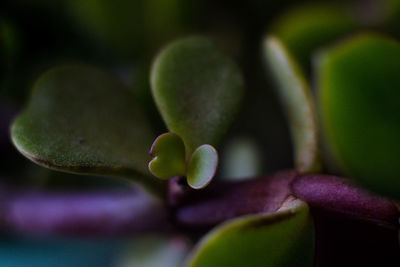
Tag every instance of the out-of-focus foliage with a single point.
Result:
(296, 98)
(358, 83)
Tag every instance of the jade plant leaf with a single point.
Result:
(197, 90)
(82, 120)
(308, 27)
(281, 239)
(295, 95)
(169, 160)
(358, 82)
(202, 166)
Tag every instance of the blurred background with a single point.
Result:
(123, 36)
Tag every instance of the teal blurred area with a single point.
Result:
(58, 252)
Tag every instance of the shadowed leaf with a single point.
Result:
(296, 98)
(197, 90)
(306, 28)
(80, 119)
(358, 82)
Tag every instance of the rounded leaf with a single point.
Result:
(168, 152)
(359, 94)
(197, 90)
(202, 166)
(81, 119)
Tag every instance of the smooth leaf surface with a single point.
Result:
(168, 152)
(197, 90)
(296, 98)
(358, 82)
(308, 27)
(81, 119)
(202, 166)
(284, 238)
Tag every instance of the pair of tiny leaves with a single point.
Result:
(83, 120)
(169, 161)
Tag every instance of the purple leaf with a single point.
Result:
(340, 197)
(223, 201)
(84, 213)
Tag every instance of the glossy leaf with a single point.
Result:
(202, 166)
(81, 119)
(306, 28)
(168, 152)
(197, 90)
(358, 82)
(284, 238)
(295, 95)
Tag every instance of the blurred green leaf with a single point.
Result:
(241, 159)
(281, 239)
(152, 251)
(295, 95)
(128, 28)
(81, 119)
(197, 90)
(202, 166)
(169, 159)
(358, 82)
(308, 27)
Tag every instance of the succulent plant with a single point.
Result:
(345, 130)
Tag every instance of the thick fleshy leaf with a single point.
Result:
(284, 238)
(151, 251)
(295, 95)
(202, 166)
(197, 90)
(308, 27)
(81, 119)
(169, 160)
(358, 82)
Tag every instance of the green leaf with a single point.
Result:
(296, 98)
(281, 239)
(197, 90)
(358, 82)
(168, 151)
(202, 166)
(82, 120)
(308, 27)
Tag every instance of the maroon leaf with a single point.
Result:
(340, 197)
(223, 201)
